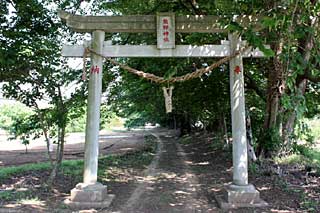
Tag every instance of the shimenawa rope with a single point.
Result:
(157, 79)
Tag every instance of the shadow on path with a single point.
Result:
(169, 185)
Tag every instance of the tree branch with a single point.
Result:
(312, 78)
(195, 8)
(187, 8)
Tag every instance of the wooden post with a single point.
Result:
(93, 111)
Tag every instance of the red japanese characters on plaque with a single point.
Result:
(165, 27)
(165, 31)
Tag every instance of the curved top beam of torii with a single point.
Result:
(147, 23)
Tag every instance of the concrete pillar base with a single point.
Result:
(239, 197)
(87, 196)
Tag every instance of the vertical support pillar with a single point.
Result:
(239, 193)
(90, 193)
(239, 145)
(93, 111)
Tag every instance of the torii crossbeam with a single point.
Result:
(92, 194)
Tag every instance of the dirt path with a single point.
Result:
(181, 178)
(169, 185)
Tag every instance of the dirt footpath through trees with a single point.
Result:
(169, 185)
(184, 176)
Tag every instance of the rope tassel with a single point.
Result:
(167, 93)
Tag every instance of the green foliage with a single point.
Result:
(109, 119)
(253, 168)
(20, 122)
(10, 195)
(314, 125)
(11, 114)
(271, 140)
(303, 132)
(312, 154)
(77, 124)
(304, 156)
(31, 67)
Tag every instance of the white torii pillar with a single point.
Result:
(239, 193)
(239, 138)
(93, 111)
(90, 193)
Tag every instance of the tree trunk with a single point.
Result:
(275, 88)
(185, 125)
(224, 129)
(55, 168)
(47, 139)
(59, 155)
(275, 83)
(250, 145)
(62, 136)
(305, 47)
(62, 123)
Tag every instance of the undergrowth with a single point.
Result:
(71, 168)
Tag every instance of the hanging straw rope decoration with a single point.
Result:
(167, 94)
(84, 72)
(157, 79)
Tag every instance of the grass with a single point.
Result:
(15, 194)
(314, 125)
(186, 139)
(7, 172)
(307, 157)
(313, 155)
(74, 169)
(68, 167)
(308, 204)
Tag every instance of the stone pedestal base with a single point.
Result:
(86, 196)
(239, 197)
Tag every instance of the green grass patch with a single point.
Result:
(137, 159)
(292, 159)
(16, 195)
(306, 156)
(313, 155)
(186, 139)
(7, 172)
(74, 168)
(68, 167)
(314, 125)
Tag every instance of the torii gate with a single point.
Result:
(92, 194)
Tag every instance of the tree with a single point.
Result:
(32, 70)
(276, 87)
